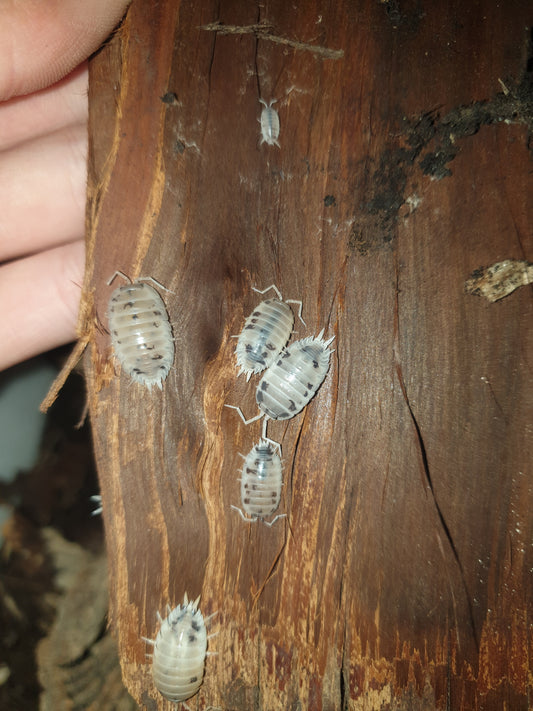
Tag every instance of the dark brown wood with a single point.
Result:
(402, 575)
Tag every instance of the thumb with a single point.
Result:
(43, 40)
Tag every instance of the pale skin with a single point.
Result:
(44, 45)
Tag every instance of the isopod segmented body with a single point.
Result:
(288, 385)
(261, 482)
(178, 659)
(265, 333)
(269, 124)
(141, 334)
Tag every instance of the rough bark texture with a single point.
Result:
(401, 577)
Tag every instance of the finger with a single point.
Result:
(40, 296)
(42, 192)
(61, 105)
(42, 41)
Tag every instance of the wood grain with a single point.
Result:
(402, 575)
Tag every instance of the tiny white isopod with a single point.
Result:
(265, 333)
(140, 329)
(290, 383)
(180, 648)
(261, 482)
(269, 124)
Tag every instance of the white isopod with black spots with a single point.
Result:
(265, 333)
(180, 648)
(261, 482)
(290, 383)
(269, 124)
(140, 329)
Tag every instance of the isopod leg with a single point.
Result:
(264, 436)
(271, 523)
(244, 518)
(264, 291)
(246, 422)
(208, 618)
(296, 301)
(127, 278)
(116, 274)
(157, 283)
(278, 294)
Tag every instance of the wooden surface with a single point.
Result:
(401, 578)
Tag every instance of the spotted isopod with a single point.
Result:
(180, 648)
(141, 334)
(269, 124)
(261, 482)
(265, 333)
(290, 383)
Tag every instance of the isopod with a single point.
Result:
(269, 124)
(141, 334)
(265, 333)
(180, 648)
(261, 482)
(290, 383)
(97, 499)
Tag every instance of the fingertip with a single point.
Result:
(43, 40)
(40, 297)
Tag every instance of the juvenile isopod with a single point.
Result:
(261, 482)
(290, 383)
(141, 334)
(265, 333)
(97, 499)
(269, 124)
(180, 648)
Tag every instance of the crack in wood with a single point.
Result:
(427, 474)
(261, 31)
(445, 528)
(425, 466)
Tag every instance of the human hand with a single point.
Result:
(43, 169)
